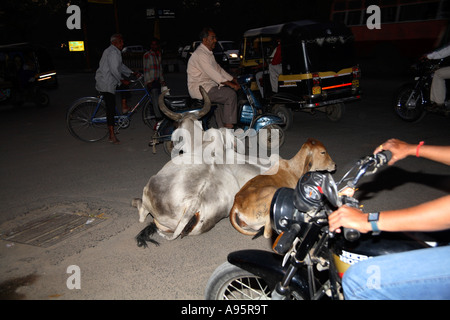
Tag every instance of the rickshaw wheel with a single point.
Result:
(42, 99)
(285, 114)
(335, 111)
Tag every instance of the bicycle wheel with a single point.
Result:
(86, 119)
(148, 114)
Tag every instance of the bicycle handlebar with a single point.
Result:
(141, 76)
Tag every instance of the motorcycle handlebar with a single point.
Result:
(383, 157)
(378, 160)
(375, 161)
(351, 234)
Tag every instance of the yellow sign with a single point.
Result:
(76, 45)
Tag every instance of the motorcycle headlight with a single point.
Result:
(290, 206)
(282, 210)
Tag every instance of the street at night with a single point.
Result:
(45, 171)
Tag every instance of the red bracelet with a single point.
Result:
(421, 143)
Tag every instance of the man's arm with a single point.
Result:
(429, 216)
(401, 150)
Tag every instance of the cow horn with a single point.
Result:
(206, 103)
(172, 115)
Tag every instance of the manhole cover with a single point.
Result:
(49, 230)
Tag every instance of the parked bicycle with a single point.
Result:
(86, 118)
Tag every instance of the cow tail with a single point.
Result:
(188, 221)
(145, 235)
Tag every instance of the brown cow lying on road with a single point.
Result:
(251, 209)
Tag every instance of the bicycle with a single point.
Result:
(86, 118)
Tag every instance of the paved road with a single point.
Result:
(44, 170)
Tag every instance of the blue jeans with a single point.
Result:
(419, 274)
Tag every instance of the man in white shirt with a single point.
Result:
(203, 70)
(438, 89)
(108, 77)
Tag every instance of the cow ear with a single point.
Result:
(305, 160)
(308, 162)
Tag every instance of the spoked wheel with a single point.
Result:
(284, 113)
(229, 282)
(408, 104)
(86, 120)
(269, 139)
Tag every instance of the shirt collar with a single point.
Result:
(116, 48)
(205, 48)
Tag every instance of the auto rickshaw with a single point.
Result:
(25, 69)
(317, 72)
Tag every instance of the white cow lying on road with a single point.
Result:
(189, 199)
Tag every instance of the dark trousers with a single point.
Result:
(110, 101)
(227, 97)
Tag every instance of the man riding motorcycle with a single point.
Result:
(417, 274)
(438, 89)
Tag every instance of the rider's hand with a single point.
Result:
(398, 148)
(347, 191)
(348, 217)
(232, 84)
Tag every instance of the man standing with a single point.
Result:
(109, 76)
(153, 74)
(203, 70)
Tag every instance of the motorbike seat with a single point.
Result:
(182, 103)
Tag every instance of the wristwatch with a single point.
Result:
(373, 219)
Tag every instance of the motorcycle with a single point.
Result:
(27, 71)
(412, 100)
(251, 118)
(308, 260)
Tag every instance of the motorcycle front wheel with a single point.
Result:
(408, 104)
(229, 282)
